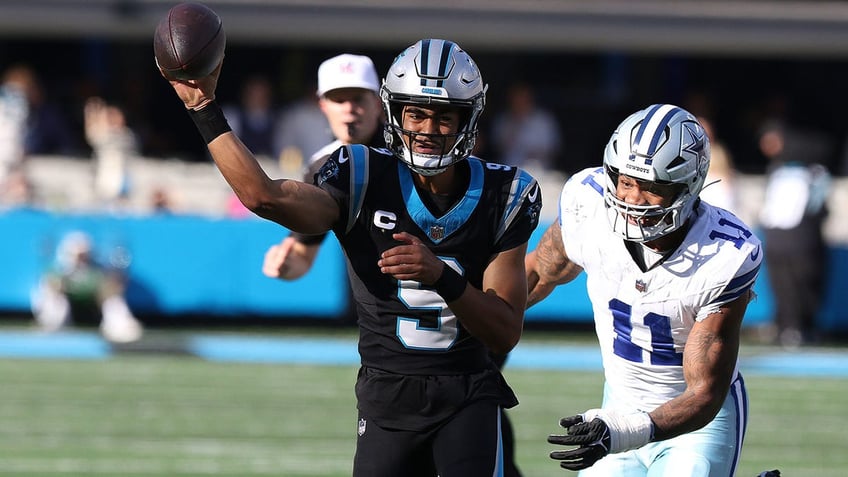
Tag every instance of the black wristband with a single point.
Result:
(450, 285)
(210, 121)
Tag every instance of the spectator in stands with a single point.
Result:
(47, 130)
(161, 202)
(16, 189)
(14, 111)
(255, 117)
(114, 145)
(78, 286)
(792, 219)
(525, 134)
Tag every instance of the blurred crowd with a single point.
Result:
(281, 121)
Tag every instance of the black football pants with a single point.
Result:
(466, 445)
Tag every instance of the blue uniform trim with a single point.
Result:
(745, 279)
(590, 180)
(455, 217)
(740, 398)
(359, 159)
(738, 286)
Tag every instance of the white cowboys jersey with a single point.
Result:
(643, 319)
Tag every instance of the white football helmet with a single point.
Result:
(665, 145)
(433, 72)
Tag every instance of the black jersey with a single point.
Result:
(377, 140)
(405, 326)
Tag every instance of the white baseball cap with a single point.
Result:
(347, 71)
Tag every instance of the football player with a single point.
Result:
(669, 278)
(435, 241)
(347, 89)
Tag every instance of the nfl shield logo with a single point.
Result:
(641, 286)
(361, 427)
(437, 232)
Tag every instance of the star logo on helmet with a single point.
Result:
(697, 139)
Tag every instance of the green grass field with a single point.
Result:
(140, 414)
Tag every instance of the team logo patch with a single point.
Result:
(329, 170)
(641, 286)
(360, 429)
(437, 232)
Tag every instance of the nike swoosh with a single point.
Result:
(343, 156)
(534, 194)
(755, 253)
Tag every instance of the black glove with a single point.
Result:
(770, 473)
(592, 439)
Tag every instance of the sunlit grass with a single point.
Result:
(141, 414)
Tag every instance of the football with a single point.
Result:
(189, 42)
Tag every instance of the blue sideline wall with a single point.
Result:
(178, 264)
(183, 265)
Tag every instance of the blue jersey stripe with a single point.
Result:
(727, 297)
(743, 279)
(358, 181)
(523, 184)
